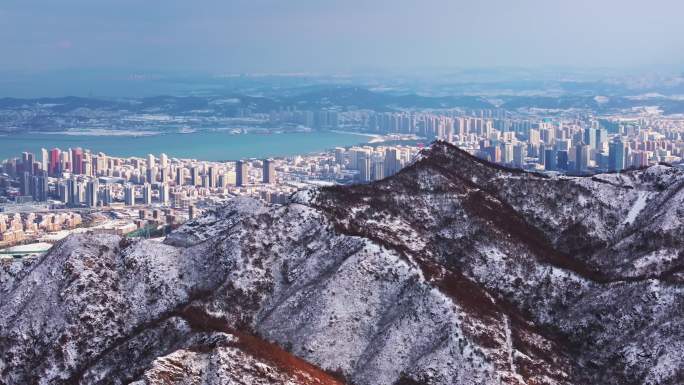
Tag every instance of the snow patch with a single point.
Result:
(637, 207)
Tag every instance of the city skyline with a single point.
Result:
(575, 145)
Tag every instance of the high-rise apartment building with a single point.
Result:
(195, 179)
(269, 173)
(54, 165)
(164, 194)
(180, 176)
(582, 155)
(44, 159)
(77, 161)
(147, 194)
(364, 165)
(129, 195)
(92, 193)
(241, 178)
(616, 155)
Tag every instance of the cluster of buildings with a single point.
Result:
(368, 163)
(79, 178)
(157, 191)
(577, 144)
(16, 228)
(321, 119)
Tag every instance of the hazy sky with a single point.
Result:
(324, 35)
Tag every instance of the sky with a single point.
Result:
(238, 36)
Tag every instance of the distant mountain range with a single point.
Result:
(453, 271)
(326, 97)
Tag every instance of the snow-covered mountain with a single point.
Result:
(454, 271)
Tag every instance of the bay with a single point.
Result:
(202, 145)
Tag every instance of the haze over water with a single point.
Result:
(212, 146)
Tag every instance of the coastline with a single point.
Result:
(374, 138)
(356, 133)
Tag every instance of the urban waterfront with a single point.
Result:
(47, 196)
(205, 145)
